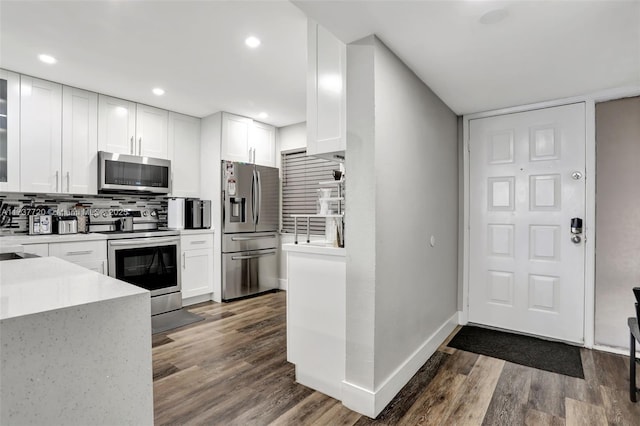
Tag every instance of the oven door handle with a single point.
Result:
(254, 256)
(145, 242)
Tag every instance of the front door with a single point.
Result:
(526, 184)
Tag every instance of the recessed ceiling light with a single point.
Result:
(47, 59)
(493, 16)
(158, 91)
(263, 115)
(252, 42)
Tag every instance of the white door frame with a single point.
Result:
(590, 204)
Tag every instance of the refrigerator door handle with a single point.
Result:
(259, 204)
(253, 196)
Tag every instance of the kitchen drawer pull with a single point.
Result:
(252, 238)
(77, 253)
(199, 242)
(272, 253)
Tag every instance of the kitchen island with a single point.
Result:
(75, 346)
(316, 315)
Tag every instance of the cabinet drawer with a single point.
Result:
(41, 250)
(199, 241)
(79, 251)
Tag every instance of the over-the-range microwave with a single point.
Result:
(133, 174)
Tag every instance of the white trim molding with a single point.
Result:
(283, 284)
(590, 208)
(371, 403)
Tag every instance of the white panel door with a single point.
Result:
(527, 182)
(116, 125)
(79, 141)
(184, 144)
(235, 138)
(263, 141)
(151, 132)
(40, 135)
(197, 272)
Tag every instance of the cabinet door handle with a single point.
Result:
(132, 148)
(199, 242)
(68, 182)
(140, 146)
(184, 260)
(77, 253)
(57, 179)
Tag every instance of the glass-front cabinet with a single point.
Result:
(9, 131)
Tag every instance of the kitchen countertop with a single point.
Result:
(49, 238)
(315, 247)
(29, 286)
(197, 231)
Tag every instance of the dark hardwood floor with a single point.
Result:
(231, 369)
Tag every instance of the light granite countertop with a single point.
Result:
(30, 286)
(50, 238)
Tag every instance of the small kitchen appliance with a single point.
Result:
(40, 224)
(175, 213)
(197, 214)
(65, 224)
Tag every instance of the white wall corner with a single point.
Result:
(283, 284)
(463, 318)
(371, 403)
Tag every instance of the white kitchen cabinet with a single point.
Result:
(10, 132)
(184, 149)
(151, 131)
(41, 249)
(79, 141)
(88, 254)
(326, 94)
(197, 266)
(247, 141)
(40, 135)
(116, 125)
(263, 141)
(125, 127)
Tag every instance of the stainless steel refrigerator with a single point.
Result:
(250, 220)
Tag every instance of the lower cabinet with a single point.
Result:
(197, 267)
(88, 254)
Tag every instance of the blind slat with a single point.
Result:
(300, 177)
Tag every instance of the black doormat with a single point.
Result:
(555, 357)
(171, 320)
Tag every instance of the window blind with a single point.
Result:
(300, 177)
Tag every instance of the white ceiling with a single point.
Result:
(542, 50)
(195, 50)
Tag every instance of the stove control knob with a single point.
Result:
(153, 213)
(104, 214)
(145, 213)
(96, 214)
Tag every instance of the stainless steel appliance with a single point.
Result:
(142, 254)
(40, 224)
(250, 219)
(65, 224)
(197, 213)
(133, 174)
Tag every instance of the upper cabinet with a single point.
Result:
(184, 148)
(326, 94)
(248, 141)
(58, 138)
(79, 141)
(9, 131)
(125, 127)
(40, 135)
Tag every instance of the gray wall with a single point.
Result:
(402, 157)
(617, 218)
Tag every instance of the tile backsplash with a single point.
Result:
(16, 205)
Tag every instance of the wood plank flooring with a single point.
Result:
(231, 369)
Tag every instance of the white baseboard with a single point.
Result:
(462, 318)
(610, 349)
(283, 284)
(371, 403)
(197, 299)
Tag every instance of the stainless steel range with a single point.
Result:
(143, 255)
